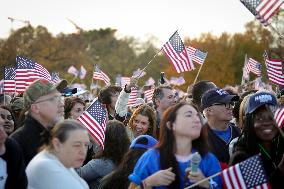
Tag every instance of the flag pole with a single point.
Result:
(281, 132)
(4, 85)
(205, 179)
(199, 70)
(92, 82)
(73, 79)
(243, 79)
(149, 62)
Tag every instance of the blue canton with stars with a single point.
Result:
(24, 63)
(200, 54)
(177, 43)
(251, 5)
(253, 172)
(10, 73)
(258, 66)
(98, 112)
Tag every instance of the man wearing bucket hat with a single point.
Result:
(217, 105)
(45, 107)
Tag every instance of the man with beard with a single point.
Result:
(45, 107)
(217, 105)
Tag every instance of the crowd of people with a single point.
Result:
(147, 145)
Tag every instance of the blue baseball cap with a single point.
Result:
(217, 95)
(137, 142)
(260, 99)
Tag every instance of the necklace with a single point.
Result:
(262, 149)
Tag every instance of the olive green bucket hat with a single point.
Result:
(17, 104)
(39, 88)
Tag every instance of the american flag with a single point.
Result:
(251, 5)
(27, 71)
(279, 116)
(94, 119)
(197, 55)
(124, 81)
(263, 10)
(177, 81)
(253, 66)
(247, 174)
(150, 82)
(132, 97)
(9, 80)
(149, 95)
(267, 8)
(274, 71)
(55, 77)
(138, 73)
(100, 75)
(175, 50)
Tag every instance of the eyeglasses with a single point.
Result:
(227, 105)
(56, 99)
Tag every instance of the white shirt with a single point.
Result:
(45, 171)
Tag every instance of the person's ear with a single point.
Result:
(56, 144)
(169, 125)
(209, 111)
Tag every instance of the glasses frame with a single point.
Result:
(226, 105)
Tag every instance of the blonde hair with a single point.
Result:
(242, 110)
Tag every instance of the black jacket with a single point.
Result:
(29, 137)
(218, 146)
(15, 166)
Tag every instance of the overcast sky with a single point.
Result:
(140, 19)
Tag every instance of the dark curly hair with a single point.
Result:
(106, 93)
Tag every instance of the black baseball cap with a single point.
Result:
(217, 95)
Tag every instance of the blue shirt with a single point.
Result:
(149, 163)
(224, 135)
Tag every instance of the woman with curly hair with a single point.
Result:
(116, 144)
(142, 122)
(261, 136)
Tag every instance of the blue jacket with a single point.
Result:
(149, 163)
